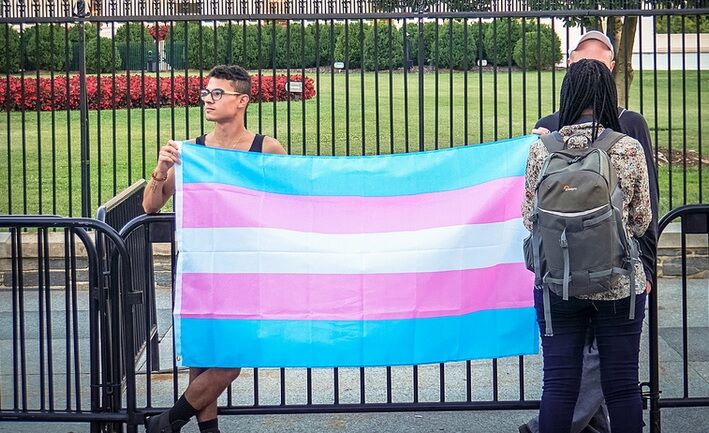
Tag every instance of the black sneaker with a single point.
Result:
(524, 429)
(161, 424)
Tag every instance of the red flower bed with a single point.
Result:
(130, 91)
(159, 32)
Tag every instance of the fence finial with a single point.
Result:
(80, 9)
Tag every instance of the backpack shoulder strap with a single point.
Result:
(554, 142)
(607, 139)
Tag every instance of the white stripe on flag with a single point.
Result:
(265, 250)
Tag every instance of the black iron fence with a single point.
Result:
(67, 341)
(694, 229)
(65, 8)
(117, 213)
(89, 98)
(66, 310)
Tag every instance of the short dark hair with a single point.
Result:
(589, 84)
(239, 77)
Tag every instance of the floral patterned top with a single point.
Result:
(628, 160)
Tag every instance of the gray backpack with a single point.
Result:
(578, 241)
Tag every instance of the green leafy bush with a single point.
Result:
(377, 56)
(99, 57)
(538, 50)
(348, 48)
(200, 48)
(455, 49)
(501, 36)
(295, 47)
(240, 45)
(134, 32)
(46, 47)
(9, 49)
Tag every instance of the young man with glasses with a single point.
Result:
(225, 100)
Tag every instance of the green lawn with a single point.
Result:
(50, 141)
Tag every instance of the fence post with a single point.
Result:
(655, 419)
(421, 61)
(80, 13)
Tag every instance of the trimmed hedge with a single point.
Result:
(9, 49)
(136, 32)
(455, 48)
(45, 47)
(377, 56)
(690, 24)
(528, 50)
(350, 45)
(295, 47)
(90, 32)
(429, 41)
(192, 45)
(327, 45)
(200, 49)
(234, 47)
(500, 39)
(99, 57)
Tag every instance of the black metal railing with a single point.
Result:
(117, 213)
(138, 8)
(76, 132)
(53, 361)
(66, 323)
(692, 227)
(145, 231)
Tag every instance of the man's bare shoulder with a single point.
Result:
(271, 145)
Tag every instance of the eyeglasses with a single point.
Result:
(216, 93)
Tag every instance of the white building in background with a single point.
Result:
(668, 50)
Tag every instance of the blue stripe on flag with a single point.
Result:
(313, 343)
(382, 175)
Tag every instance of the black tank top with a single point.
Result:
(256, 145)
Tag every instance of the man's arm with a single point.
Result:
(634, 125)
(162, 183)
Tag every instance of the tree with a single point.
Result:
(620, 29)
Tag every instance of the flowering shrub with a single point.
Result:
(130, 91)
(159, 32)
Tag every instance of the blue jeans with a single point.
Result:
(618, 345)
(591, 412)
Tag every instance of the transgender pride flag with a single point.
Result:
(301, 261)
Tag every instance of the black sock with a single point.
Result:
(206, 425)
(182, 411)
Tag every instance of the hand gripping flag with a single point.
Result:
(304, 261)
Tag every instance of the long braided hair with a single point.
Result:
(589, 84)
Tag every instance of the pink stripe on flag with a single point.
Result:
(217, 205)
(355, 297)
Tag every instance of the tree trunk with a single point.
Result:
(613, 29)
(623, 72)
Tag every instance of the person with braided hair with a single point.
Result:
(591, 413)
(588, 105)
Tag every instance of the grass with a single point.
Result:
(40, 152)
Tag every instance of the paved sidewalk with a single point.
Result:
(673, 420)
